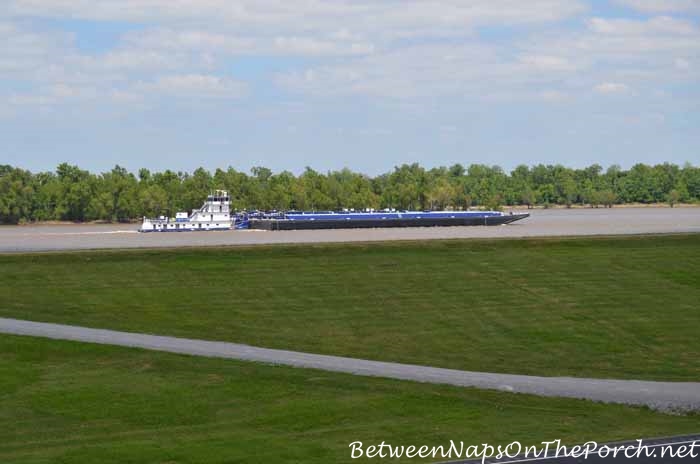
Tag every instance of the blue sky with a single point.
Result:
(359, 84)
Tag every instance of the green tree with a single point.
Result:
(527, 197)
(608, 198)
(77, 188)
(152, 201)
(16, 193)
(77, 195)
(673, 197)
(441, 194)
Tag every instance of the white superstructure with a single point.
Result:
(215, 214)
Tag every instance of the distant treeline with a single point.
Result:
(73, 194)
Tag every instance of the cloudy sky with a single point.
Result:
(366, 84)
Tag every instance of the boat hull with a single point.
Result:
(167, 231)
(286, 224)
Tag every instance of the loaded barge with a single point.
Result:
(215, 214)
(367, 220)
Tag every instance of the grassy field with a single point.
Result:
(74, 402)
(624, 307)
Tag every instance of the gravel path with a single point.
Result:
(664, 396)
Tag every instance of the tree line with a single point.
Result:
(74, 194)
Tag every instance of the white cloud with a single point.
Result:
(569, 62)
(554, 96)
(469, 69)
(138, 60)
(611, 88)
(62, 91)
(406, 72)
(190, 40)
(30, 100)
(23, 50)
(198, 41)
(400, 18)
(548, 62)
(309, 46)
(626, 38)
(54, 94)
(194, 85)
(661, 6)
(187, 41)
(657, 25)
(646, 53)
(682, 63)
(396, 49)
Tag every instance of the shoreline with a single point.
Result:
(621, 206)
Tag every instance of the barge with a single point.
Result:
(367, 220)
(216, 214)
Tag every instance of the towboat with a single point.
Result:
(215, 214)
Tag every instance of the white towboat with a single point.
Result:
(215, 214)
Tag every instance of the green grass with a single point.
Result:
(71, 402)
(624, 307)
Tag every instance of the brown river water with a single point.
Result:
(541, 223)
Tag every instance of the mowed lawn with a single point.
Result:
(74, 402)
(624, 307)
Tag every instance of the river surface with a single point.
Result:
(541, 223)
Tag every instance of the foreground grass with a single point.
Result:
(75, 402)
(624, 307)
